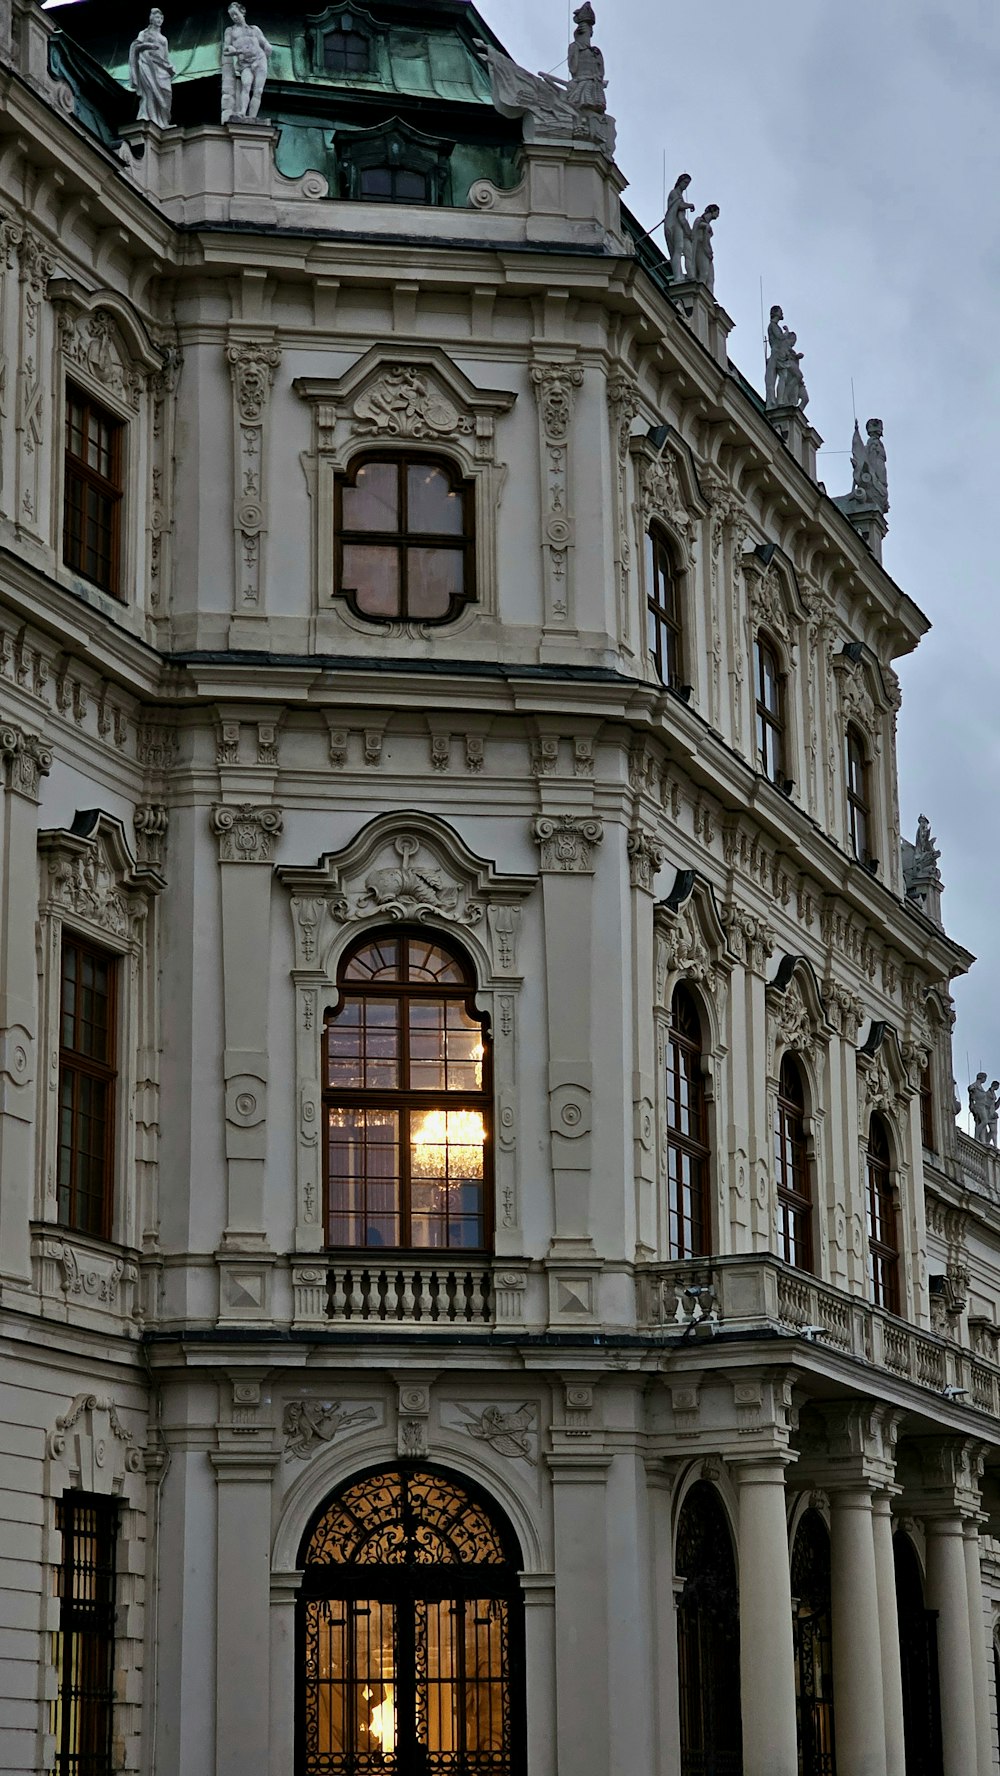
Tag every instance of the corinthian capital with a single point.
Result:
(27, 760)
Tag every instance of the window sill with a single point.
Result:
(84, 1280)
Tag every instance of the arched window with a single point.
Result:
(407, 1099)
(858, 794)
(813, 1641)
(663, 610)
(411, 1633)
(346, 50)
(770, 689)
(883, 1237)
(919, 1664)
(689, 1220)
(792, 1169)
(708, 1639)
(405, 539)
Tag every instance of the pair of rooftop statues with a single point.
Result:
(245, 57)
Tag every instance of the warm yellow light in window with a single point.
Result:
(383, 1721)
(461, 1132)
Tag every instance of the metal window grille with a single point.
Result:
(84, 1709)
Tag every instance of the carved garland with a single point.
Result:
(252, 364)
(555, 386)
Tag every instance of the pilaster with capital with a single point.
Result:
(24, 760)
(246, 836)
(31, 478)
(252, 364)
(556, 382)
(10, 239)
(624, 405)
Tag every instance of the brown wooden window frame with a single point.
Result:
(81, 478)
(406, 1101)
(355, 47)
(87, 1590)
(793, 1168)
(857, 775)
(927, 1108)
(689, 1218)
(882, 1212)
(771, 723)
(75, 1066)
(665, 630)
(403, 540)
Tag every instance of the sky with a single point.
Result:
(853, 148)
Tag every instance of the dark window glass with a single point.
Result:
(392, 184)
(918, 1658)
(813, 1642)
(708, 1639)
(407, 1101)
(346, 52)
(663, 610)
(927, 1108)
(770, 711)
(84, 1708)
(93, 492)
(689, 1228)
(858, 799)
(791, 1167)
(86, 1089)
(411, 1633)
(404, 540)
(883, 1238)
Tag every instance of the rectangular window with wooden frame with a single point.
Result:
(93, 496)
(87, 1081)
(83, 1711)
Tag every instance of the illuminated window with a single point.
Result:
(404, 540)
(770, 710)
(407, 1100)
(858, 797)
(93, 492)
(411, 1633)
(85, 1643)
(791, 1167)
(663, 610)
(687, 1141)
(87, 1075)
(883, 1238)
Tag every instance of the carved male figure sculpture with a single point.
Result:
(703, 257)
(871, 481)
(151, 72)
(677, 228)
(791, 386)
(984, 1109)
(245, 56)
(776, 335)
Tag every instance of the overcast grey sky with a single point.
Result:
(854, 149)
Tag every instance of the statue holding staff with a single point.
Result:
(151, 72)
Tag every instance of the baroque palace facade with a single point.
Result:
(490, 1283)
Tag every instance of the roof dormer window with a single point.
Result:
(394, 164)
(346, 48)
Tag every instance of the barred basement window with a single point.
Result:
(94, 491)
(87, 1078)
(405, 539)
(85, 1643)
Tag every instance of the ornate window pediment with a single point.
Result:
(691, 941)
(667, 490)
(796, 1015)
(774, 600)
(865, 699)
(394, 164)
(394, 402)
(103, 342)
(342, 41)
(409, 869)
(91, 878)
(886, 1079)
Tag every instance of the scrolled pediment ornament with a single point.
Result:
(766, 599)
(796, 1015)
(403, 403)
(93, 343)
(660, 494)
(91, 877)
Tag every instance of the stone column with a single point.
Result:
(948, 1594)
(538, 1591)
(767, 1673)
(285, 1587)
(977, 1632)
(579, 1506)
(888, 1628)
(243, 1627)
(857, 1655)
(246, 836)
(24, 760)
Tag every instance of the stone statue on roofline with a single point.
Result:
(984, 1102)
(245, 57)
(870, 489)
(576, 108)
(151, 72)
(677, 228)
(702, 266)
(784, 383)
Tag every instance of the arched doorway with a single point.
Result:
(919, 1664)
(811, 1617)
(708, 1639)
(410, 1632)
